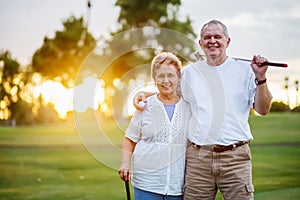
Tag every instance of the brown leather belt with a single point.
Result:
(220, 148)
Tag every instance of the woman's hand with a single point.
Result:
(124, 172)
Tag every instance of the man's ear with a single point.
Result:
(228, 41)
(200, 43)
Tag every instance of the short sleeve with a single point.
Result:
(133, 132)
(252, 89)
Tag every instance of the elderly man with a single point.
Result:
(221, 91)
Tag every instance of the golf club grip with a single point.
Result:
(275, 64)
(127, 190)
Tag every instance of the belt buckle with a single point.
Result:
(212, 148)
(233, 147)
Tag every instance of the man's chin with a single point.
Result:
(212, 55)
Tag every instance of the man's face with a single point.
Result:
(214, 42)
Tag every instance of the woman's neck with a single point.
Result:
(168, 99)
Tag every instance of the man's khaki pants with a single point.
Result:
(229, 171)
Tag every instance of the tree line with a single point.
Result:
(59, 58)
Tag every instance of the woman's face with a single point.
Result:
(166, 79)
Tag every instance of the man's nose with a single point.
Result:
(212, 39)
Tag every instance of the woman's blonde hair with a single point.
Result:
(166, 58)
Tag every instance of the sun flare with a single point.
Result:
(90, 95)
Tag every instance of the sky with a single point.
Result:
(270, 28)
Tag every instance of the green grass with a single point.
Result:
(276, 128)
(56, 174)
(49, 162)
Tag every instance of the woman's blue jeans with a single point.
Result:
(145, 195)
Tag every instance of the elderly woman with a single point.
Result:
(157, 137)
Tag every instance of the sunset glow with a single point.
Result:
(91, 94)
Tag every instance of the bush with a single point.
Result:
(46, 114)
(296, 109)
(279, 107)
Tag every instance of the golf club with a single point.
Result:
(127, 190)
(266, 63)
(200, 57)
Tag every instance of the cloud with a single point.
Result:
(246, 19)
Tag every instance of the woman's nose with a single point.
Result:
(165, 79)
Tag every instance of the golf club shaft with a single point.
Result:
(200, 57)
(127, 190)
(266, 63)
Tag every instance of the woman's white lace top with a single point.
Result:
(159, 157)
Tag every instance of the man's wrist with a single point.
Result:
(260, 81)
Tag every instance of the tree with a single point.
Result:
(286, 87)
(297, 91)
(136, 15)
(13, 81)
(62, 56)
(9, 68)
(146, 27)
(163, 14)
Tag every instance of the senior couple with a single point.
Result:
(191, 138)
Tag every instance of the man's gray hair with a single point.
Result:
(216, 22)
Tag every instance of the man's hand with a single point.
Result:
(258, 67)
(141, 96)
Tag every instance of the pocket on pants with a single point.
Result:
(243, 153)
